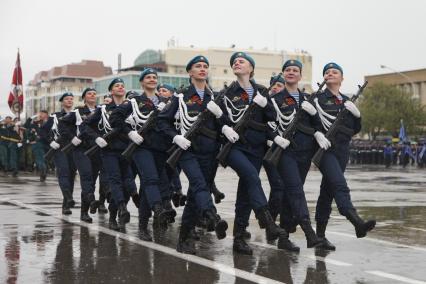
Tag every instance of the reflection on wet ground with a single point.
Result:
(38, 245)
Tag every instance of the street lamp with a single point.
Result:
(402, 75)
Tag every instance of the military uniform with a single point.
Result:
(121, 180)
(333, 165)
(198, 162)
(295, 161)
(149, 159)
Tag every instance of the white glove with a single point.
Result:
(19, 145)
(214, 108)
(160, 106)
(230, 134)
(135, 137)
(54, 145)
(323, 142)
(282, 142)
(75, 141)
(309, 108)
(269, 143)
(350, 106)
(101, 142)
(260, 100)
(182, 142)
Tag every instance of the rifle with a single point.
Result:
(107, 136)
(49, 154)
(241, 125)
(148, 125)
(175, 151)
(69, 147)
(273, 155)
(334, 128)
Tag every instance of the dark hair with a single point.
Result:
(44, 111)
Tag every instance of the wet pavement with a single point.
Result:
(39, 245)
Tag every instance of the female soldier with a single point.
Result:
(69, 129)
(334, 160)
(64, 164)
(121, 182)
(198, 159)
(295, 160)
(246, 158)
(150, 156)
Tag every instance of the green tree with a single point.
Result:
(383, 106)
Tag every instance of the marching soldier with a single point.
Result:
(246, 158)
(121, 181)
(34, 139)
(295, 161)
(70, 130)
(333, 163)
(64, 164)
(198, 159)
(150, 156)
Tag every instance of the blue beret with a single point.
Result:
(113, 82)
(87, 90)
(131, 94)
(196, 59)
(147, 71)
(67, 94)
(331, 65)
(276, 78)
(166, 86)
(292, 62)
(243, 55)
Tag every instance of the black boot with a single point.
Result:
(185, 242)
(311, 238)
(94, 205)
(325, 244)
(136, 199)
(218, 195)
(272, 230)
(84, 215)
(160, 215)
(43, 175)
(113, 225)
(143, 231)
(361, 227)
(240, 244)
(66, 208)
(215, 223)
(123, 214)
(102, 209)
(242, 231)
(285, 244)
(176, 198)
(167, 205)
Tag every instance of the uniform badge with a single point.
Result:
(235, 99)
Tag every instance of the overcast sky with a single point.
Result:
(359, 35)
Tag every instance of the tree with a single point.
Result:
(383, 106)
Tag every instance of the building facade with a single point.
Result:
(413, 82)
(43, 92)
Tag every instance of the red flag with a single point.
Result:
(16, 95)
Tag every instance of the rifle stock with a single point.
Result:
(175, 151)
(148, 125)
(240, 126)
(107, 136)
(331, 133)
(273, 155)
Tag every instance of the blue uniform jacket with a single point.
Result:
(201, 143)
(154, 139)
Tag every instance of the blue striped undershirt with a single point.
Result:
(250, 92)
(296, 96)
